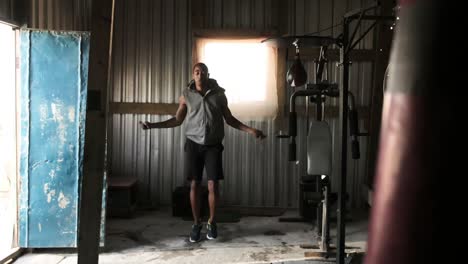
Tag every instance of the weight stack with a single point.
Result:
(308, 199)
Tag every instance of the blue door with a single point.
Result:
(53, 72)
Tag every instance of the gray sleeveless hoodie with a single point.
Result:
(205, 121)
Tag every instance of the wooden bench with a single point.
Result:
(122, 192)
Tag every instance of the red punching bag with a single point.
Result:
(414, 145)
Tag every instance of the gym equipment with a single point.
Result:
(315, 186)
(297, 75)
(319, 146)
(318, 137)
(301, 40)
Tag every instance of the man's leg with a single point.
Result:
(214, 172)
(213, 196)
(194, 171)
(195, 201)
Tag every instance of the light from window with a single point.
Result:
(247, 70)
(8, 169)
(241, 69)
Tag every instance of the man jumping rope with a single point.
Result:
(207, 108)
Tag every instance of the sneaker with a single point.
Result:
(195, 234)
(212, 231)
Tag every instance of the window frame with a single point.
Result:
(242, 34)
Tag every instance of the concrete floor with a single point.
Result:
(157, 237)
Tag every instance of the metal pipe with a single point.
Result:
(351, 101)
(293, 120)
(320, 107)
(353, 126)
(341, 211)
(324, 242)
(360, 11)
(362, 36)
(292, 100)
(318, 189)
(373, 18)
(320, 64)
(355, 30)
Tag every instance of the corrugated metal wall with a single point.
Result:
(52, 14)
(6, 9)
(325, 17)
(151, 63)
(60, 15)
(235, 14)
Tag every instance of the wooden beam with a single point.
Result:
(90, 212)
(143, 108)
(308, 54)
(281, 11)
(232, 33)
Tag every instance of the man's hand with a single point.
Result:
(258, 134)
(145, 125)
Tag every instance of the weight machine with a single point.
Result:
(319, 146)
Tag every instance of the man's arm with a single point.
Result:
(235, 123)
(173, 122)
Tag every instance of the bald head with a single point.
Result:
(200, 74)
(202, 67)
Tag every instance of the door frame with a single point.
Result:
(16, 251)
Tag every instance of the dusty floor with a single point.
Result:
(157, 237)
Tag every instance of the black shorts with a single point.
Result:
(199, 156)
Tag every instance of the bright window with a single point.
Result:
(247, 70)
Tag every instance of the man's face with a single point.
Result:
(199, 74)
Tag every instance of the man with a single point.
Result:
(207, 106)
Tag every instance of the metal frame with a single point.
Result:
(15, 251)
(346, 46)
(346, 43)
(317, 93)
